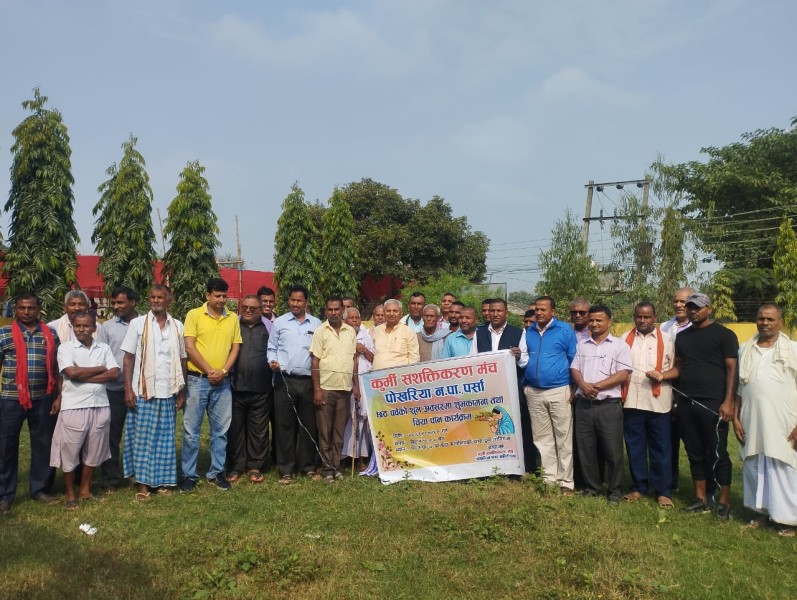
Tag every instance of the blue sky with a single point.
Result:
(504, 108)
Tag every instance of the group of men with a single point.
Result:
(588, 394)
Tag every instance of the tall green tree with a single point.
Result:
(785, 270)
(567, 270)
(737, 198)
(42, 239)
(339, 250)
(123, 234)
(410, 240)
(192, 231)
(296, 249)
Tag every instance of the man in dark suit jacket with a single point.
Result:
(499, 335)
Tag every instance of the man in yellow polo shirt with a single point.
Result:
(334, 374)
(212, 342)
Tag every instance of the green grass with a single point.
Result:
(360, 539)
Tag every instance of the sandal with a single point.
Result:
(784, 530)
(256, 476)
(757, 522)
(72, 504)
(163, 491)
(286, 480)
(665, 502)
(143, 496)
(234, 477)
(632, 496)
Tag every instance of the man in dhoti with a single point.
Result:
(766, 422)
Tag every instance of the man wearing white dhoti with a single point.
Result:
(766, 422)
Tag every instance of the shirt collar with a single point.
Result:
(223, 311)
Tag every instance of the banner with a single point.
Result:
(446, 419)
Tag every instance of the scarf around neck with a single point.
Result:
(21, 349)
(656, 386)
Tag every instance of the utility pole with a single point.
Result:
(587, 216)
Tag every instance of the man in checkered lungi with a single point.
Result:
(154, 372)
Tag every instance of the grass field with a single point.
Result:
(360, 539)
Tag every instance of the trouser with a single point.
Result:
(216, 400)
(331, 420)
(531, 456)
(40, 426)
(599, 423)
(647, 437)
(111, 470)
(552, 429)
(248, 438)
(706, 442)
(296, 429)
(675, 441)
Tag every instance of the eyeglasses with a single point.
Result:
(578, 312)
(250, 308)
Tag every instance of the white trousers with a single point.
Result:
(552, 430)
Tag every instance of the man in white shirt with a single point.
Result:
(84, 421)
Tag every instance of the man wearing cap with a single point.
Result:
(706, 357)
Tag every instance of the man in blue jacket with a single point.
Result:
(551, 347)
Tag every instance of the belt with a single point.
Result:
(202, 375)
(602, 400)
(290, 376)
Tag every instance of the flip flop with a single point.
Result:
(632, 496)
(665, 502)
(785, 531)
(92, 498)
(256, 476)
(162, 491)
(72, 504)
(756, 523)
(142, 496)
(234, 477)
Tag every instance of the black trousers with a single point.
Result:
(296, 442)
(41, 426)
(248, 438)
(706, 442)
(111, 469)
(531, 456)
(599, 425)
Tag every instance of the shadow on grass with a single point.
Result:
(40, 561)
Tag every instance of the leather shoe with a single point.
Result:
(46, 499)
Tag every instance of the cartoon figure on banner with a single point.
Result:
(386, 457)
(500, 421)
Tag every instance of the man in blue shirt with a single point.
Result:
(462, 342)
(551, 348)
(294, 411)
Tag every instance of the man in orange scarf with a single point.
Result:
(646, 409)
(27, 390)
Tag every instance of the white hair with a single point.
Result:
(347, 312)
(392, 301)
(434, 307)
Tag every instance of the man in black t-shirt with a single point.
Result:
(706, 357)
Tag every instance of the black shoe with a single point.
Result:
(723, 512)
(220, 482)
(614, 499)
(5, 507)
(188, 485)
(698, 506)
(46, 499)
(588, 494)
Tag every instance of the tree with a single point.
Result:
(785, 271)
(296, 251)
(567, 270)
(339, 250)
(123, 233)
(193, 238)
(42, 255)
(521, 298)
(414, 242)
(737, 199)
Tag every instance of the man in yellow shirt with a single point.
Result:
(396, 344)
(334, 374)
(212, 341)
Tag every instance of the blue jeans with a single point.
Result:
(216, 400)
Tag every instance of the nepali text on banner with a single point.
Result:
(445, 420)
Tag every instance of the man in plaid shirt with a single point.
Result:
(27, 391)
